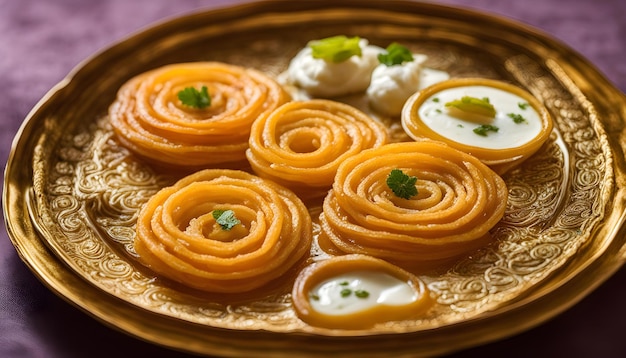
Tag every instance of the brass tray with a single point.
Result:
(71, 192)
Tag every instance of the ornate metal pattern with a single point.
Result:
(85, 190)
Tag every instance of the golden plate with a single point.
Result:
(71, 193)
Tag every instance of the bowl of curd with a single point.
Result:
(497, 122)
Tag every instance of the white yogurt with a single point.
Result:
(321, 78)
(510, 134)
(360, 290)
(391, 86)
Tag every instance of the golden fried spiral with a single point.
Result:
(179, 238)
(149, 118)
(459, 200)
(301, 144)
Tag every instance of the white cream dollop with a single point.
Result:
(326, 79)
(391, 86)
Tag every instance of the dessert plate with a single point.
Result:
(72, 193)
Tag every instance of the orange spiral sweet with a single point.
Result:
(301, 144)
(459, 200)
(150, 119)
(178, 237)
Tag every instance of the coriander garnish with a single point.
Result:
(396, 55)
(401, 184)
(336, 49)
(517, 118)
(523, 105)
(483, 129)
(193, 98)
(225, 218)
(345, 292)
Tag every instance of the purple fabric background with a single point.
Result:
(42, 40)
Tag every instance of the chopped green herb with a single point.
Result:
(361, 294)
(438, 110)
(225, 218)
(401, 184)
(460, 126)
(517, 118)
(345, 292)
(483, 129)
(436, 99)
(336, 49)
(193, 98)
(396, 55)
(523, 105)
(315, 297)
(344, 283)
(480, 106)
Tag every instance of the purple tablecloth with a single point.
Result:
(41, 41)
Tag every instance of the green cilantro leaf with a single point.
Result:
(517, 118)
(345, 292)
(193, 98)
(402, 185)
(483, 129)
(523, 105)
(361, 294)
(226, 219)
(480, 106)
(396, 55)
(336, 49)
